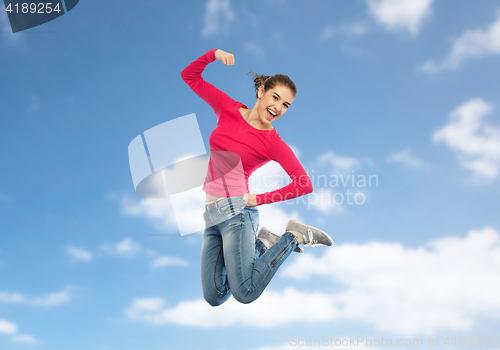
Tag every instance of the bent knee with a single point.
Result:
(245, 298)
(215, 300)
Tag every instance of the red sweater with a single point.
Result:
(237, 149)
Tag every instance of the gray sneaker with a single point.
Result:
(272, 237)
(312, 236)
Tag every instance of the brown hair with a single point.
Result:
(270, 82)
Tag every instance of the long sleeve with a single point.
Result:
(209, 93)
(301, 183)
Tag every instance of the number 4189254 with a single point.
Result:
(34, 8)
(471, 341)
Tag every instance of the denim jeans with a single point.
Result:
(233, 260)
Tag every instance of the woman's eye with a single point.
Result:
(275, 98)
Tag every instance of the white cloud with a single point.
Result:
(158, 211)
(12, 298)
(254, 48)
(353, 29)
(275, 217)
(24, 339)
(412, 291)
(268, 178)
(7, 327)
(188, 210)
(47, 300)
(471, 44)
(336, 183)
(401, 14)
(327, 201)
(197, 313)
(296, 151)
(52, 299)
(405, 157)
(446, 285)
(286, 346)
(309, 343)
(125, 248)
(164, 261)
(218, 14)
(278, 40)
(341, 165)
(78, 254)
(328, 32)
(476, 143)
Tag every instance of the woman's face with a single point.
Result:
(273, 103)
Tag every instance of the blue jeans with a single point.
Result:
(233, 260)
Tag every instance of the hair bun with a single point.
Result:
(271, 81)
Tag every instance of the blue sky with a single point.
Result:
(403, 91)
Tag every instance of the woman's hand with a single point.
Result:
(226, 57)
(250, 200)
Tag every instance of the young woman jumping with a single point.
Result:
(235, 259)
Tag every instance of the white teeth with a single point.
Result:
(272, 112)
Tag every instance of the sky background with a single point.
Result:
(406, 92)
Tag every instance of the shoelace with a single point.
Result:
(310, 241)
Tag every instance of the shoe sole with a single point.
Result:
(312, 228)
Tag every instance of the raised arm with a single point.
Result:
(301, 183)
(209, 93)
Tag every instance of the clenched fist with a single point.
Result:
(226, 57)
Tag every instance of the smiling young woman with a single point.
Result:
(236, 258)
(272, 102)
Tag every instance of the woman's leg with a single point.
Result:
(213, 272)
(250, 266)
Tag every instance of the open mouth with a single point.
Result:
(270, 114)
